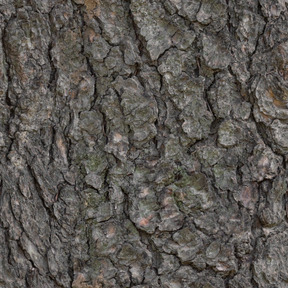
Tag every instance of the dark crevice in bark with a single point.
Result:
(53, 73)
(47, 206)
(90, 68)
(7, 239)
(51, 148)
(261, 129)
(8, 72)
(206, 97)
(255, 226)
(141, 43)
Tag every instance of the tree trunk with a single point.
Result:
(143, 143)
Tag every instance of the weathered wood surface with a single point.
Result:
(143, 143)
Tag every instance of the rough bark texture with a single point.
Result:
(143, 143)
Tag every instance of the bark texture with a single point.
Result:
(143, 143)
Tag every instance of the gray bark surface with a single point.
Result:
(143, 143)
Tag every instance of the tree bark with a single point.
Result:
(143, 143)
